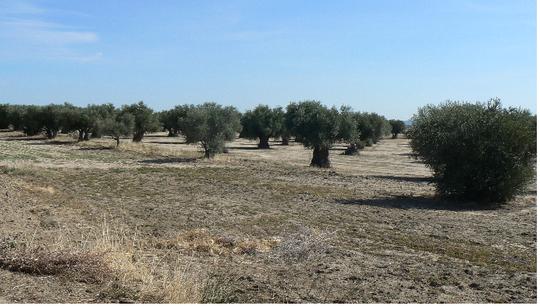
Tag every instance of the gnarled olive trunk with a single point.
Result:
(138, 136)
(51, 133)
(207, 151)
(285, 140)
(117, 141)
(172, 133)
(320, 157)
(263, 143)
(352, 149)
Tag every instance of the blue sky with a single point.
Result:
(386, 56)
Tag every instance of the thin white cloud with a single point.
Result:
(45, 32)
(27, 26)
(15, 7)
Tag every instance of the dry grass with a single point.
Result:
(115, 259)
(202, 241)
(368, 230)
(82, 266)
(305, 244)
(157, 151)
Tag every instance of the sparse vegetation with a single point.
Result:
(251, 225)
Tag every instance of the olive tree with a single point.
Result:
(317, 127)
(371, 126)
(397, 127)
(31, 120)
(98, 114)
(289, 121)
(4, 116)
(15, 116)
(348, 131)
(169, 119)
(262, 122)
(120, 125)
(77, 119)
(145, 119)
(210, 125)
(481, 152)
(51, 117)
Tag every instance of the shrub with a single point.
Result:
(398, 127)
(210, 125)
(263, 123)
(480, 152)
(317, 127)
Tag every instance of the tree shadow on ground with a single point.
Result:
(97, 149)
(416, 202)
(170, 160)
(52, 143)
(254, 147)
(157, 136)
(23, 138)
(412, 179)
(411, 155)
(166, 142)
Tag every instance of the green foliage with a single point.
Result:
(372, 127)
(145, 119)
(169, 119)
(317, 127)
(119, 125)
(397, 126)
(15, 116)
(210, 125)
(480, 152)
(51, 119)
(31, 120)
(4, 116)
(263, 123)
(288, 122)
(98, 113)
(348, 131)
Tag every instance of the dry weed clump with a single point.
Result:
(122, 262)
(202, 241)
(80, 265)
(305, 244)
(152, 278)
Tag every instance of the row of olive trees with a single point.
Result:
(209, 124)
(91, 121)
(309, 122)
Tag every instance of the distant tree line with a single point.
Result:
(210, 125)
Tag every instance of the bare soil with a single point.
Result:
(259, 225)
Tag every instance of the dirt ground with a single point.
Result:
(248, 226)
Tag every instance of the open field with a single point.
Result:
(83, 222)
